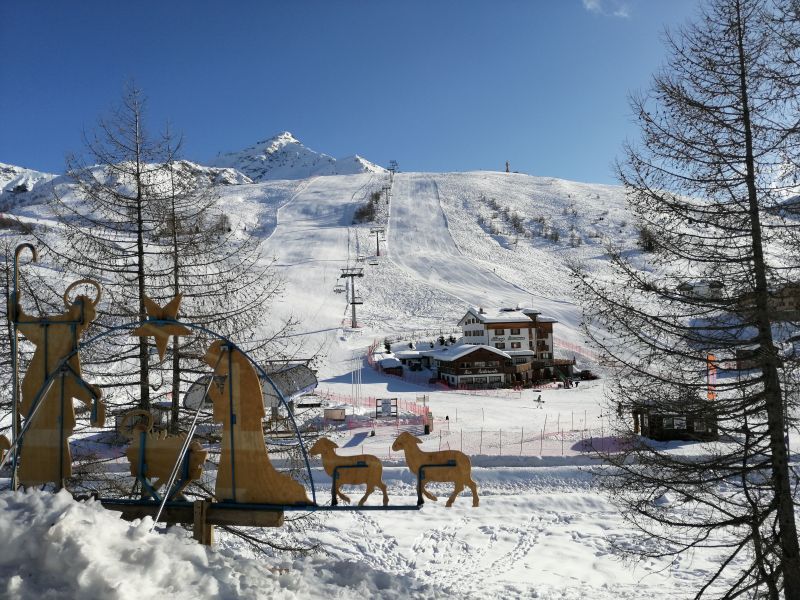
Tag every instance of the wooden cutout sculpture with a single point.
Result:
(161, 332)
(5, 446)
(156, 454)
(44, 452)
(457, 469)
(245, 472)
(352, 474)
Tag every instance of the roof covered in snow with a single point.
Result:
(505, 315)
(457, 352)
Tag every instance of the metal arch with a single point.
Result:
(262, 374)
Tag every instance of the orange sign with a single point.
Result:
(711, 370)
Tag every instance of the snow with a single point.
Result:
(542, 530)
(284, 157)
(54, 547)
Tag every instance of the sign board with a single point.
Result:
(386, 408)
(334, 414)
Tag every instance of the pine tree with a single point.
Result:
(708, 182)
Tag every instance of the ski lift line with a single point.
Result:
(186, 442)
(213, 334)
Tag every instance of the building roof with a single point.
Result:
(390, 362)
(506, 315)
(462, 350)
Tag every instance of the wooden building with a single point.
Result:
(696, 421)
(510, 329)
(480, 366)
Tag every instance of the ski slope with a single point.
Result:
(542, 530)
(421, 243)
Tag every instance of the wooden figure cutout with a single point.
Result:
(5, 446)
(452, 466)
(245, 472)
(161, 332)
(44, 451)
(153, 455)
(349, 470)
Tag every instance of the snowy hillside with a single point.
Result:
(453, 240)
(284, 157)
(14, 180)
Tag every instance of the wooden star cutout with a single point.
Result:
(161, 332)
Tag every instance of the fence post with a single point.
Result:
(480, 447)
(541, 441)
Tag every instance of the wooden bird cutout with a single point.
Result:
(161, 332)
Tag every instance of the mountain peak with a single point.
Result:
(283, 156)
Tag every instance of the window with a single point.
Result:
(515, 332)
(530, 345)
(500, 346)
(644, 421)
(466, 380)
(495, 379)
(699, 426)
(480, 380)
(479, 363)
(679, 422)
(668, 423)
(492, 363)
(499, 331)
(516, 344)
(464, 365)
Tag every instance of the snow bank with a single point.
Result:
(55, 547)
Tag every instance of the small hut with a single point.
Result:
(691, 419)
(391, 366)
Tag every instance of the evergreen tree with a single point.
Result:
(708, 182)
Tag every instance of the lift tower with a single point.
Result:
(352, 273)
(378, 231)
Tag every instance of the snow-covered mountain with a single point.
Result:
(17, 180)
(284, 157)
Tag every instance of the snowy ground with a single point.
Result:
(542, 529)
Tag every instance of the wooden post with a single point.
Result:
(202, 531)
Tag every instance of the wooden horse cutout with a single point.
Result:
(350, 470)
(444, 465)
(245, 472)
(44, 452)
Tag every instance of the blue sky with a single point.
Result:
(438, 85)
